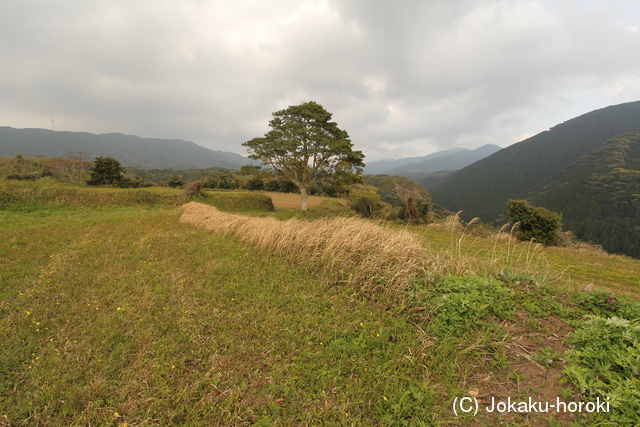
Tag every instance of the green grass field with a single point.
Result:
(113, 313)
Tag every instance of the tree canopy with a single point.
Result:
(106, 171)
(304, 146)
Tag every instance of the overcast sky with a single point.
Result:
(403, 78)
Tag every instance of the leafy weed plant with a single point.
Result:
(605, 359)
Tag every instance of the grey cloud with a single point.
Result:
(402, 78)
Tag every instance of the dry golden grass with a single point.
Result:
(345, 249)
(468, 251)
(371, 256)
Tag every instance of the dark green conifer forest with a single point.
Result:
(599, 195)
(587, 169)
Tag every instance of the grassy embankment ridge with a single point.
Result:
(117, 312)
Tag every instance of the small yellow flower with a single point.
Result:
(385, 397)
(115, 414)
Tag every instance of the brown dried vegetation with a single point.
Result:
(344, 249)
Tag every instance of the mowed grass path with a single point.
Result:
(126, 315)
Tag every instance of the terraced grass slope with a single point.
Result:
(124, 315)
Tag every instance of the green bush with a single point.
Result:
(287, 186)
(272, 186)
(536, 223)
(175, 182)
(255, 184)
(8, 198)
(24, 176)
(209, 182)
(106, 171)
(364, 200)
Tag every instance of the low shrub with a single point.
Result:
(535, 223)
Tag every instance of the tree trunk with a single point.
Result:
(303, 198)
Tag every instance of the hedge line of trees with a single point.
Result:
(108, 171)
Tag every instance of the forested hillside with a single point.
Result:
(402, 192)
(390, 185)
(483, 188)
(599, 195)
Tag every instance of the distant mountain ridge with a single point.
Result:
(130, 150)
(448, 162)
(377, 167)
(429, 170)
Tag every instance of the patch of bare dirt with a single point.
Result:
(530, 366)
(291, 200)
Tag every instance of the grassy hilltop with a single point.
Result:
(125, 307)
